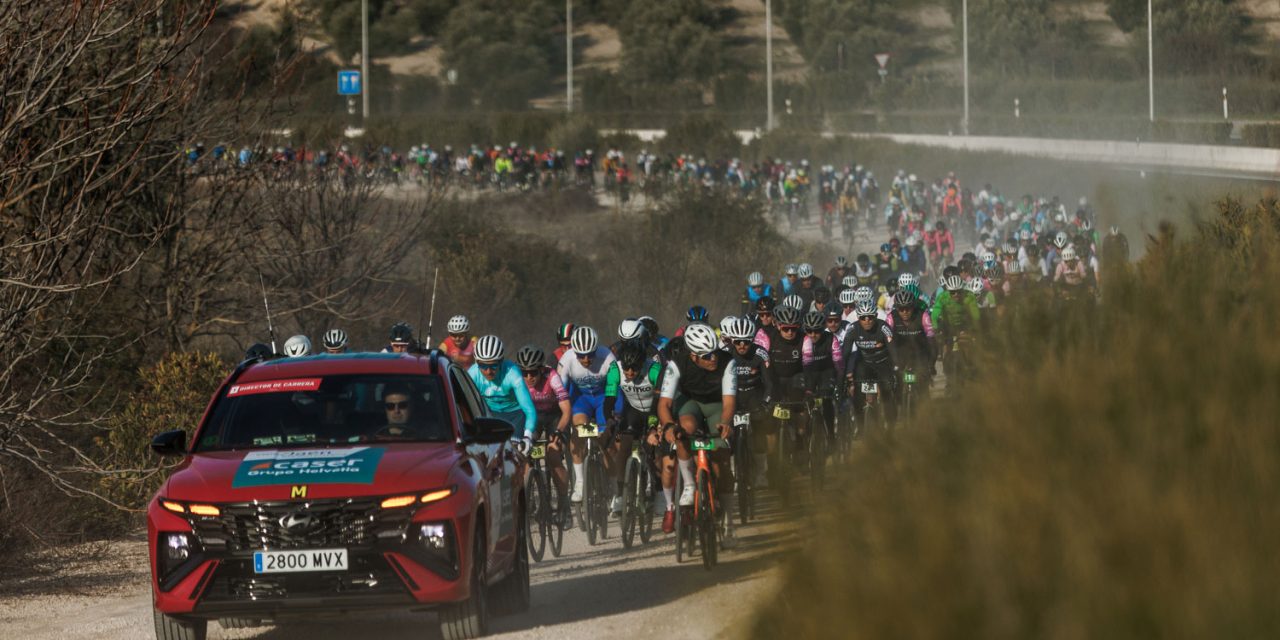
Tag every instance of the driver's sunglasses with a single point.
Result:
(491, 366)
(397, 406)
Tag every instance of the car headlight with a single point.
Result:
(172, 551)
(437, 548)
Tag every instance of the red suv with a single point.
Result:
(340, 483)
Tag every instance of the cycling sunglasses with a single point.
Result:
(742, 343)
(707, 357)
(492, 366)
(530, 373)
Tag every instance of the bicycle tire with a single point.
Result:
(644, 498)
(817, 452)
(562, 507)
(706, 520)
(601, 504)
(743, 472)
(631, 484)
(781, 468)
(587, 509)
(536, 523)
(681, 551)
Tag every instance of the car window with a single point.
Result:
(328, 410)
(466, 406)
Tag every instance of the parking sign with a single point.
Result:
(349, 83)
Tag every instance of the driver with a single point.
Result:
(396, 400)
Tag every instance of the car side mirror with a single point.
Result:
(492, 431)
(170, 443)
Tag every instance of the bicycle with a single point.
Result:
(780, 465)
(742, 465)
(702, 527)
(547, 512)
(594, 513)
(908, 395)
(637, 497)
(817, 444)
(872, 410)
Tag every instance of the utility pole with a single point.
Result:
(364, 58)
(1151, 63)
(964, 124)
(568, 47)
(768, 66)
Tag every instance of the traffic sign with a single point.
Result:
(349, 83)
(882, 59)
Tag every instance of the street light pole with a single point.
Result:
(964, 124)
(768, 66)
(364, 58)
(1151, 63)
(568, 46)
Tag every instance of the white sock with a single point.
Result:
(579, 472)
(686, 471)
(669, 493)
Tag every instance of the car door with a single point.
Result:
(495, 478)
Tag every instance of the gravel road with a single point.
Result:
(101, 591)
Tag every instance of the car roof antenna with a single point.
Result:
(431, 319)
(271, 330)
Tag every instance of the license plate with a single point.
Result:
(870, 387)
(704, 445)
(741, 419)
(587, 431)
(298, 561)
(538, 452)
(909, 378)
(781, 414)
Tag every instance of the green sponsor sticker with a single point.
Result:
(352, 465)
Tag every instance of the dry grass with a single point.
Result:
(1116, 483)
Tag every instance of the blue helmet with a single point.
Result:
(697, 313)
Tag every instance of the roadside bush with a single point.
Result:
(172, 394)
(704, 136)
(1261, 135)
(1081, 488)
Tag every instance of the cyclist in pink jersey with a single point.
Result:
(551, 401)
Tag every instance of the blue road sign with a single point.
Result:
(349, 83)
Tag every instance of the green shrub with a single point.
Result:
(1261, 135)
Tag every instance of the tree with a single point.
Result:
(1193, 35)
(669, 40)
(504, 54)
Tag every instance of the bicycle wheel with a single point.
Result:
(536, 521)
(644, 503)
(558, 507)
(630, 487)
(681, 522)
(600, 489)
(781, 464)
(586, 508)
(817, 452)
(706, 520)
(742, 471)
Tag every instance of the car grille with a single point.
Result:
(369, 575)
(352, 523)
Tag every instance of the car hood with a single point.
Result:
(312, 473)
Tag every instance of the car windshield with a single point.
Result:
(328, 410)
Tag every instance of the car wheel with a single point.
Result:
(512, 594)
(469, 618)
(171, 628)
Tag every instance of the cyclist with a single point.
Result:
(550, 402)
(868, 358)
(401, 339)
(651, 331)
(784, 345)
(755, 390)
(631, 330)
(838, 272)
(585, 367)
(503, 389)
(335, 341)
(756, 287)
(788, 285)
(822, 364)
(886, 263)
(913, 336)
(563, 336)
(1115, 247)
(458, 345)
(955, 316)
(699, 390)
(635, 375)
(863, 271)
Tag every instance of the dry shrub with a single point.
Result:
(1116, 483)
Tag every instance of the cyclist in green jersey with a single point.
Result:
(635, 375)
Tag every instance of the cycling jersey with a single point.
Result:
(506, 393)
(463, 356)
(749, 371)
(867, 345)
(550, 393)
(765, 291)
(785, 359)
(822, 354)
(955, 312)
(639, 393)
(586, 383)
(913, 339)
(687, 380)
(1069, 275)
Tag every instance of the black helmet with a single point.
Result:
(813, 321)
(863, 259)
(905, 298)
(632, 355)
(401, 332)
(530, 357)
(832, 311)
(257, 351)
(765, 304)
(650, 326)
(786, 316)
(821, 294)
(951, 271)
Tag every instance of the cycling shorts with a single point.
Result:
(547, 420)
(516, 418)
(708, 412)
(591, 406)
(632, 421)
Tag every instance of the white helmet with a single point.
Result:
(908, 279)
(805, 270)
(863, 294)
(584, 340)
(850, 281)
(1014, 267)
(1069, 253)
(1060, 240)
(459, 324)
(727, 322)
(490, 349)
(297, 346)
(790, 270)
(740, 329)
(848, 296)
(953, 283)
(755, 279)
(630, 329)
(912, 240)
(794, 301)
(975, 286)
(335, 339)
(701, 339)
(988, 257)
(866, 309)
